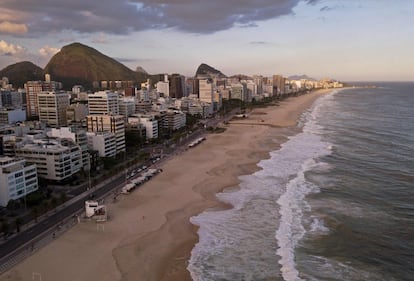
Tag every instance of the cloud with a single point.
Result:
(8, 49)
(12, 28)
(125, 16)
(47, 51)
(259, 43)
(100, 39)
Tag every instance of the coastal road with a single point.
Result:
(27, 238)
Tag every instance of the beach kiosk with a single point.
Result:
(95, 211)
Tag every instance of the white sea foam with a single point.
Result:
(292, 202)
(239, 243)
(318, 226)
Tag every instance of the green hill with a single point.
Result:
(79, 64)
(21, 72)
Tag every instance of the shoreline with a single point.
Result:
(149, 236)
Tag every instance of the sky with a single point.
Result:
(348, 40)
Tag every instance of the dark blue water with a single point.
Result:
(366, 193)
(335, 202)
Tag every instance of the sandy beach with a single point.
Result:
(149, 236)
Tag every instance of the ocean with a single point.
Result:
(335, 202)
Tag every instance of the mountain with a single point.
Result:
(205, 69)
(241, 77)
(299, 77)
(79, 64)
(21, 72)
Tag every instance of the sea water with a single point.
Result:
(335, 202)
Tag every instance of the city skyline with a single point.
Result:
(346, 40)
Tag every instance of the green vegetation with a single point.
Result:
(79, 64)
(21, 72)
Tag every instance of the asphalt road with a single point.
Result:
(29, 235)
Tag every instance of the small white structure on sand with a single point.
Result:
(95, 211)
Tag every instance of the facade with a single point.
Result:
(206, 90)
(238, 92)
(11, 99)
(33, 88)
(149, 122)
(173, 120)
(143, 106)
(76, 113)
(54, 161)
(76, 135)
(258, 80)
(103, 102)
(10, 116)
(278, 85)
(177, 86)
(163, 88)
(102, 142)
(126, 108)
(52, 108)
(17, 179)
(109, 123)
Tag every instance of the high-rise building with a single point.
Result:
(109, 123)
(177, 86)
(33, 88)
(278, 85)
(205, 90)
(163, 87)
(52, 108)
(258, 80)
(103, 102)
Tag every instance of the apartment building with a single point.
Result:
(103, 102)
(78, 136)
(102, 142)
(54, 161)
(52, 108)
(17, 179)
(109, 123)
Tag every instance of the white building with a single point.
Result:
(52, 108)
(252, 88)
(78, 136)
(149, 122)
(127, 107)
(17, 179)
(53, 160)
(110, 123)
(173, 120)
(163, 87)
(103, 102)
(103, 142)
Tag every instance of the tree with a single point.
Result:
(5, 227)
(18, 223)
(13, 205)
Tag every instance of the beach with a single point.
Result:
(149, 235)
